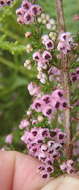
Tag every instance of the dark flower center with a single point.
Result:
(36, 57)
(37, 105)
(74, 78)
(34, 133)
(46, 100)
(60, 94)
(49, 169)
(47, 56)
(57, 105)
(35, 10)
(26, 6)
(44, 133)
(61, 136)
(28, 17)
(52, 133)
(64, 104)
(34, 149)
(44, 176)
(49, 44)
(49, 112)
(2, 2)
(78, 72)
(8, 2)
(64, 37)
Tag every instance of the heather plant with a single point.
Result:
(49, 130)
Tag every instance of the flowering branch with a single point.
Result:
(65, 79)
(42, 142)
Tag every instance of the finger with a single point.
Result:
(7, 160)
(19, 172)
(26, 174)
(63, 183)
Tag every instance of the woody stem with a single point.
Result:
(65, 80)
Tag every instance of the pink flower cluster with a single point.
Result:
(42, 59)
(48, 104)
(65, 42)
(74, 76)
(5, 3)
(28, 12)
(68, 167)
(46, 145)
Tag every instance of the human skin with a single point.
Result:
(19, 172)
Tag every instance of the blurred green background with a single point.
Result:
(14, 97)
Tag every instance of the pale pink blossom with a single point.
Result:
(28, 18)
(24, 124)
(9, 139)
(49, 44)
(35, 10)
(47, 55)
(33, 89)
(36, 56)
(26, 4)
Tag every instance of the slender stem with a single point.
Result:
(60, 15)
(65, 81)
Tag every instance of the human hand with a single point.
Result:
(19, 172)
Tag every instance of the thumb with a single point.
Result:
(63, 183)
